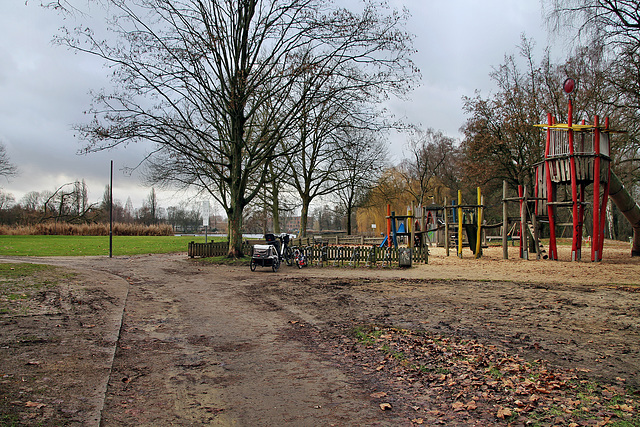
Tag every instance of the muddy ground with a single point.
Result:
(165, 340)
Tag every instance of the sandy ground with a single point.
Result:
(165, 340)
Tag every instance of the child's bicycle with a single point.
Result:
(299, 257)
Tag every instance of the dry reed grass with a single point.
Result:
(65, 229)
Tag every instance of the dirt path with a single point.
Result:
(220, 345)
(194, 350)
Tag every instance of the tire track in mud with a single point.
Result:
(217, 345)
(70, 368)
(195, 350)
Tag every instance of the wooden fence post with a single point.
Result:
(446, 228)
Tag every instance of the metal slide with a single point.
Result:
(629, 209)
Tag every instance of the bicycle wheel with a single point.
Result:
(288, 256)
(275, 265)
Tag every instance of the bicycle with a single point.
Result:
(299, 257)
(287, 253)
(281, 243)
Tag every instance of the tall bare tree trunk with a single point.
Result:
(235, 232)
(275, 207)
(304, 216)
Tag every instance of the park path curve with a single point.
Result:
(192, 348)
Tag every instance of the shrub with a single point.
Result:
(99, 229)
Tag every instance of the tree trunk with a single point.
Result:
(349, 212)
(234, 232)
(236, 190)
(275, 208)
(304, 215)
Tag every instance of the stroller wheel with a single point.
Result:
(253, 266)
(275, 265)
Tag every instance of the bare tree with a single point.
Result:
(500, 140)
(31, 201)
(432, 159)
(7, 169)
(615, 20)
(150, 208)
(68, 203)
(362, 158)
(615, 26)
(214, 84)
(6, 200)
(312, 168)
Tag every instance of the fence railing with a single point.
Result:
(212, 249)
(326, 255)
(367, 256)
(337, 240)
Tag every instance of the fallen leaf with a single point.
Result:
(457, 406)
(503, 412)
(417, 421)
(36, 405)
(471, 406)
(378, 394)
(385, 406)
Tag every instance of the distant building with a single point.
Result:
(291, 224)
(219, 223)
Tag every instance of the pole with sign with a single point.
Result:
(205, 218)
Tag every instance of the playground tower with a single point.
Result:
(576, 156)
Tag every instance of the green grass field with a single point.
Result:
(94, 245)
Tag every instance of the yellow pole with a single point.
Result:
(459, 224)
(479, 237)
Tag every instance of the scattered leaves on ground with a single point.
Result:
(444, 380)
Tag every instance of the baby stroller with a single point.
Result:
(266, 256)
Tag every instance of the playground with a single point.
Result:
(163, 339)
(471, 334)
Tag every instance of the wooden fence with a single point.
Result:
(213, 249)
(366, 256)
(326, 255)
(337, 240)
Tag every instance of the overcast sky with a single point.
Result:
(44, 89)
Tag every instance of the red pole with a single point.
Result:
(389, 242)
(603, 211)
(536, 190)
(595, 244)
(553, 249)
(575, 251)
(605, 199)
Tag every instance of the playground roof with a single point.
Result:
(579, 128)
